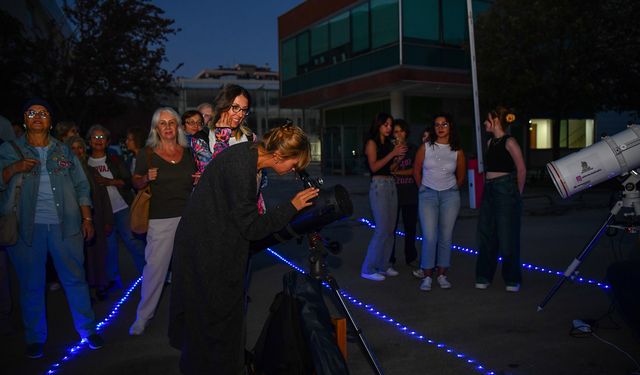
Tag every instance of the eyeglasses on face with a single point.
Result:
(193, 122)
(33, 113)
(441, 125)
(236, 108)
(99, 136)
(167, 124)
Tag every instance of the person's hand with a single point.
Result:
(24, 165)
(87, 230)
(103, 181)
(196, 177)
(399, 150)
(225, 120)
(303, 198)
(152, 174)
(108, 228)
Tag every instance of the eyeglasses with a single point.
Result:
(441, 125)
(165, 124)
(100, 136)
(194, 122)
(236, 108)
(33, 113)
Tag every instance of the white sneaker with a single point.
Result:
(419, 273)
(482, 285)
(137, 328)
(443, 282)
(372, 276)
(390, 272)
(513, 288)
(426, 284)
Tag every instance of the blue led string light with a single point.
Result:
(73, 350)
(527, 266)
(401, 327)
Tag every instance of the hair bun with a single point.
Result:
(510, 117)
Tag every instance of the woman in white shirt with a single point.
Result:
(439, 170)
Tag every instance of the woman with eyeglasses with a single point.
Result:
(192, 122)
(166, 164)
(115, 176)
(54, 211)
(383, 197)
(439, 171)
(207, 311)
(501, 208)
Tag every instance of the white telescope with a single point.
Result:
(610, 157)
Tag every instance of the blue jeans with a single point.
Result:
(68, 258)
(383, 198)
(438, 214)
(122, 229)
(499, 230)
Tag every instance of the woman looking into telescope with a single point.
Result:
(211, 248)
(501, 208)
(383, 197)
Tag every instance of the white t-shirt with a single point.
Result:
(439, 167)
(117, 202)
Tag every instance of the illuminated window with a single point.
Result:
(580, 133)
(540, 133)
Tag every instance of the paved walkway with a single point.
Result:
(454, 331)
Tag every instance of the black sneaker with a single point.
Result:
(35, 350)
(95, 341)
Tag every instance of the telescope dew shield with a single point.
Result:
(599, 162)
(330, 205)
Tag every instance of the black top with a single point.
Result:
(382, 151)
(497, 158)
(406, 185)
(171, 190)
(211, 251)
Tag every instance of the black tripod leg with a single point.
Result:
(372, 360)
(576, 262)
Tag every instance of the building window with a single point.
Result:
(339, 30)
(319, 39)
(540, 134)
(303, 48)
(454, 21)
(421, 19)
(360, 28)
(289, 59)
(580, 133)
(384, 22)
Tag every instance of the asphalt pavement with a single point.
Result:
(457, 331)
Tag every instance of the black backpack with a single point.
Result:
(297, 338)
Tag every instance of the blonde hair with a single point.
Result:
(290, 142)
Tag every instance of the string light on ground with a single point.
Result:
(72, 351)
(527, 266)
(371, 309)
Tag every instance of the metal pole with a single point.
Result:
(474, 79)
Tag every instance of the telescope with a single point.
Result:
(330, 205)
(613, 156)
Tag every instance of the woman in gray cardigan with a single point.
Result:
(211, 248)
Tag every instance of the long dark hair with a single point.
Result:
(454, 139)
(374, 130)
(224, 100)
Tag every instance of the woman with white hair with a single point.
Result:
(166, 164)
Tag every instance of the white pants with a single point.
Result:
(157, 254)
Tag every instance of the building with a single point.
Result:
(264, 87)
(351, 59)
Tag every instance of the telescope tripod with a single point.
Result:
(630, 200)
(318, 270)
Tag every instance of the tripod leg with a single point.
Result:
(372, 360)
(576, 262)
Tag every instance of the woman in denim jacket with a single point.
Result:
(54, 212)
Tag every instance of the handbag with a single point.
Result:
(9, 221)
(139, 215)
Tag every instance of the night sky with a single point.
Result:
(223, 33)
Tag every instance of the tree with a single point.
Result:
(113, 55)
(559, 57)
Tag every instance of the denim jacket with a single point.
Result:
(68, 182)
